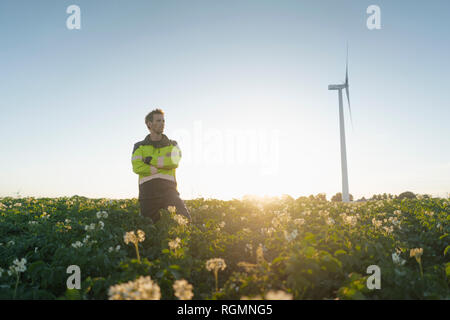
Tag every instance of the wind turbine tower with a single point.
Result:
(340, 87)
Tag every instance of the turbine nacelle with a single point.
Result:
(337, 86)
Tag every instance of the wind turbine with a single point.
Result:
(339, 87)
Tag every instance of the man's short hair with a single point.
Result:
(149, 117)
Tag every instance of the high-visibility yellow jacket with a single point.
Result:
(153, 160)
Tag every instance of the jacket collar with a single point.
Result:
(164, 142)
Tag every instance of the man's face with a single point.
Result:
(157, 125)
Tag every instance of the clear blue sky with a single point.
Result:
(72, 102)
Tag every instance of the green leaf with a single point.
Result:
(160, 274)
(351, 294)
(36, 267)
(175, 267)
(340, 252)
(310, 251)
(278, 259)
(446, 250)
(332, 264)
(73, 294)
(310, 237)
(354, 276)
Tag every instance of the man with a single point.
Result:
(155, 160)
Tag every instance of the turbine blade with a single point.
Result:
(348, 100)
(346, 88)
(346, 68)
(346, 76)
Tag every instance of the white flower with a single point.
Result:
(394, 221)
(183, 290)
(290, 236)
(131, 237)
(417, 253)
(32, 222)
(215, 264)
(429, 213)
(376, 222)
(174, 244)
(351, 220)
(67, 221)
(180, 219)
(111, 249)
(141, 289)
(172, 209)
(388, 230)
(102, 214)
(278, 295)
(323, 213)
(89, 227)
(18, 266)
(140, 235)
(222, 224)
(77, 244)
(330, 221)
(11, 243)
(86, 239)
(102, 225)
(397, 259)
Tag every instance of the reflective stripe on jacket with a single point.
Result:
(156, 159)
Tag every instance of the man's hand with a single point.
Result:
(147, 160)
